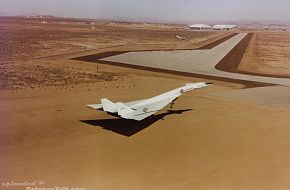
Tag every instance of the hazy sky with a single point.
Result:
(177, 10)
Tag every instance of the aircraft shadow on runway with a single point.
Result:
(130, 127)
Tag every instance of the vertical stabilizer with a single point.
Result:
(124, 111)
(108, 106)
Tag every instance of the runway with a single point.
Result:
(193, 61)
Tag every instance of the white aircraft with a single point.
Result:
(141, 109)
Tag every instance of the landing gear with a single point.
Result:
(172, 103)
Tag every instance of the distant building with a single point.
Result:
(200, 27)
(224, 27)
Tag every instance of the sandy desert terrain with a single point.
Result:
(215, 138)
(268, 53)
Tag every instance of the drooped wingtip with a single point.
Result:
(95, 106)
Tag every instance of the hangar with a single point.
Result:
(200, 27)
(224, 27)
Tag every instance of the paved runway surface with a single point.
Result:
(193, 61)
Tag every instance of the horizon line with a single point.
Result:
(157, 21)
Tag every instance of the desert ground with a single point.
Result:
(268, 53)
(231, 135)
